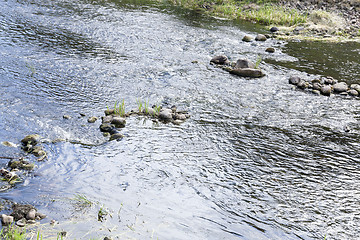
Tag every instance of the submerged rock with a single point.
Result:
(119, 122)
(116, 136)
(166, 115)
(20, 164)
(326, 90)
(66, 117)
(21, 211)
(106, 127)
(8, 144)
(32, 139)
(248, 72)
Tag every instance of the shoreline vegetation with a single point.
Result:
(294, 19)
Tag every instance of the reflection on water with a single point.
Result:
(256, 160)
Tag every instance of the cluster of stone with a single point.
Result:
(30, 145)
(325, 86)
(22, 215)
(242, 67)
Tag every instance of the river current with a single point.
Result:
(256, 160)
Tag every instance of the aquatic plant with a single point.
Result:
(146, 107)
(140, 105)
(119, 109)
(102, 214)
(157, 108)
(81, 202)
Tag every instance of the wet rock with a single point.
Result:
(116, 136)
(316, 92)
(92, 119)
(294, 80)
(107, 238)
(222, 60)
(32, 139)
(260, 37)
(150, 111)
(31, 215)
(106, 127)
(178, 122)
(20, 164)
(38, 151)
(303, 84)
(270, 50)
(244, 63)
(329, 81)
(6, 219)
(317, 86)
(353, 92)
(39, 216)
(274, 29)
(53, 222)
(107, 119)
(66, 116)
(180, 116)
(326, 90)
(20, 211)
(21, 222)
(119, 122)
(355, 87)
(248, 72)
(82, 114)
(247, 38)
(8, 144)
(30, 222)
(109, 111)
(166, 115)
(340, 87)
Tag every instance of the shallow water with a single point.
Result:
(256, 160)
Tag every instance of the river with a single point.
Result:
(256, 160)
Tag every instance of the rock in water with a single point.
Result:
(270, 50)
(248, 72)
(274, 29)
(119, 122)
(166, 115)
(244, 63)
(31, 214)
(30, 139)
(260, 37)
(294, 80)
(222, 60)
(247, 38)
(6, 219)
(326, 90)
(92, 119)
(340, 87)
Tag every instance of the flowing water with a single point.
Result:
(256, 160)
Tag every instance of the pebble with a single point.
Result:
(274, 29)
(261, 38)
(66, 117)
(270, 50)
(247, 38)
(31, 214)
(6, 219)
(92, 119)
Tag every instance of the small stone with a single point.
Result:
(31, 215)
(116, 136)
(82, 114)
(66, 117)
(30, 222)
(274, 29)
(244, 63)
(107, 119)
(92, 119)
(180, 116)
(166, 115)
(119, 122)
(30, 139)
(260, 37)
(149, 111)
(326, 90)
(340, 87)
(106, 127)
(178, 122)
(270, 50)
(294, 80)
(316, 92)
(316, 86)
(21, 222)
(303, 84)
(53, 222)
(353, 92)
(38, 151)
(222, 60)
(109, 111)
(247, 38)
(107, 238)
(40, 216)
(6, 219)
(8, 144)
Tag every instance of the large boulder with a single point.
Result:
(244, 63)
(248, 72)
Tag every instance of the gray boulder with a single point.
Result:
(247, 38)
(166, 114)
(340, 87)
(244, 63)
(326, 90)
(248, 72)
(119, 122)
(260, 37)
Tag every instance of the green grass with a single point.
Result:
(265, 12)
(140, 105)
(258, 61)
(13, 233)
(81, 202)
(120, 109)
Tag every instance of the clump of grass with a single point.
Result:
(146, 107)
(120, 109)
(258, 61)
(140, 105)
(102, 213)
(12, 233)
(157, 109)
(82, 202)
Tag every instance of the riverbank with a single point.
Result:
(330, 20)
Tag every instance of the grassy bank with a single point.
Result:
(265, 12)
